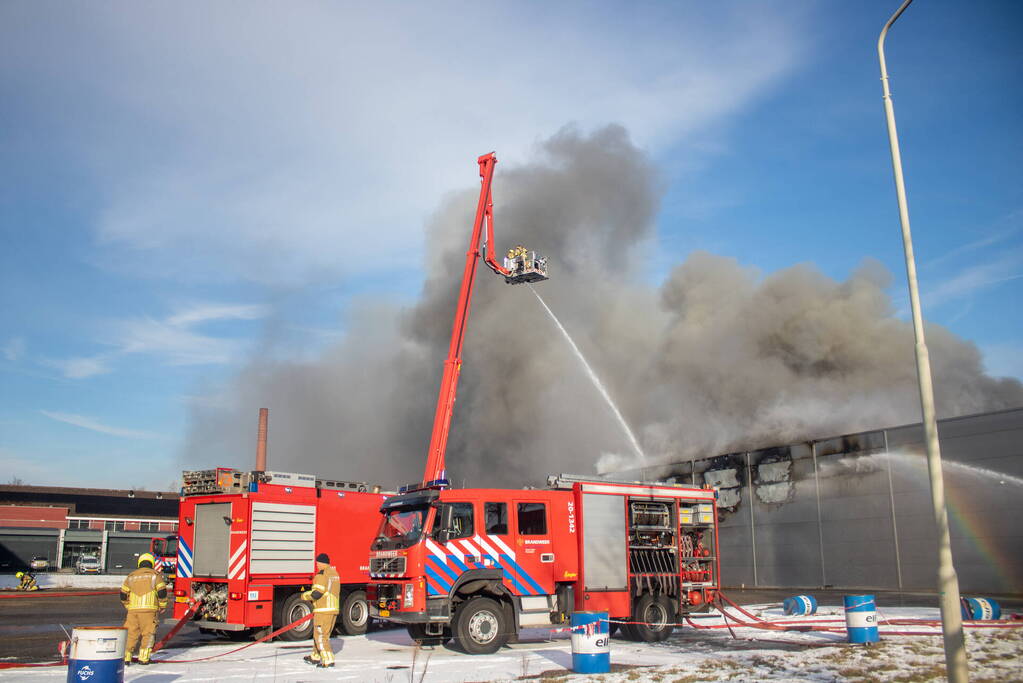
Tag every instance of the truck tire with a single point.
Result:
(354, 616)
(481, 627)
(417, 632)
(294, 607)
(656, 615)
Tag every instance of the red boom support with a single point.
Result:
(533, 271)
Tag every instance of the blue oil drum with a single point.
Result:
(981, 609)
(591, 643)
(799, 605)
(861, 618)
(97, 655)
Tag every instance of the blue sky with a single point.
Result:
(186, 187)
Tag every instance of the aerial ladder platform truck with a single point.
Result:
(477, 565)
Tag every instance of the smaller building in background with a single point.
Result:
(63, 524)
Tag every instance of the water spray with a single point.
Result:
(593, 378)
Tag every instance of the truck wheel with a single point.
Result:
(354, 614)
(417, 632)
(481, 627)
(295, 607)
(656, 616)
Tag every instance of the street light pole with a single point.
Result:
(948, 582)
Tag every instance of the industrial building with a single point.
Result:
(854, 511)
(62, 524)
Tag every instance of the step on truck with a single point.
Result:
(247, 543)
(477, 565)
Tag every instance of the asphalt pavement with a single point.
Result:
(32, 627)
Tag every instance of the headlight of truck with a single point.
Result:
(410, 594)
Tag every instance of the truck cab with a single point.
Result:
(477, 565)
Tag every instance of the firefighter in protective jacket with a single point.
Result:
(27, 582)
(144, 595)
(326, 598)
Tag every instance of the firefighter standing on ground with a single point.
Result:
(326, 598)
(144, 595)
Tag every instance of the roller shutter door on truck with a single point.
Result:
(212, 539)
(283, 538)
(604, 547)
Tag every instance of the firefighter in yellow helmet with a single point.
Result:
(326, 598)
(144, 595)
(27, 582)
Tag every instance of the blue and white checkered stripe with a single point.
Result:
(445, 564)
(184, 559)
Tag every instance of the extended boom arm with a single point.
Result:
(520, 266)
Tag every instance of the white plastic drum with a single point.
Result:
(97, 655)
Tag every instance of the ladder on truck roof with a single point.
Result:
(565, 481)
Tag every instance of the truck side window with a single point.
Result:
(461, 520)
(497, 518)
(533, 519)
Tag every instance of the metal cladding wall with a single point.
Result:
(19, 546)
(854, 511)
(122, 549)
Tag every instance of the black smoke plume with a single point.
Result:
(717, 359)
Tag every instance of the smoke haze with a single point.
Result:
(714, 360)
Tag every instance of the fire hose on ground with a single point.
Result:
(44, 593)
(163, 642)
(836, 626)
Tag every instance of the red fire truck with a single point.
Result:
(247, 543)
(165, 550)
(478, 564)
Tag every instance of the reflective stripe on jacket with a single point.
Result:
(144, 591)
(326, 591)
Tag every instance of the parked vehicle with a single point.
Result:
(88, 564)
(246, 546)
(39, 563)
(165, 550)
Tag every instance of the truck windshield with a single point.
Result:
(401, 527)
(165, 547)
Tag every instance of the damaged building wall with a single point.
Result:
(854, 511)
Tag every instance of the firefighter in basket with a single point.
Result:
(144, 595)
(326, 598)
(26, 582)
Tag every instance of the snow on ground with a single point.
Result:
(8, 581)
(689, 656)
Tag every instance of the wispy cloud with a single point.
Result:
(209, 312)
(95, 426)
(976, 278)
(174, 344)
(300, 166)
(1004, 229)
(81, 368)
(172, 340)
(14, 349)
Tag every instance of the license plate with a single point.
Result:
(181, 598)
(385, 612)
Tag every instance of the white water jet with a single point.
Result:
(1001, 477)
(593, 378)
(870, 463)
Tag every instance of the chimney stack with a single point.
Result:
(261, 441)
